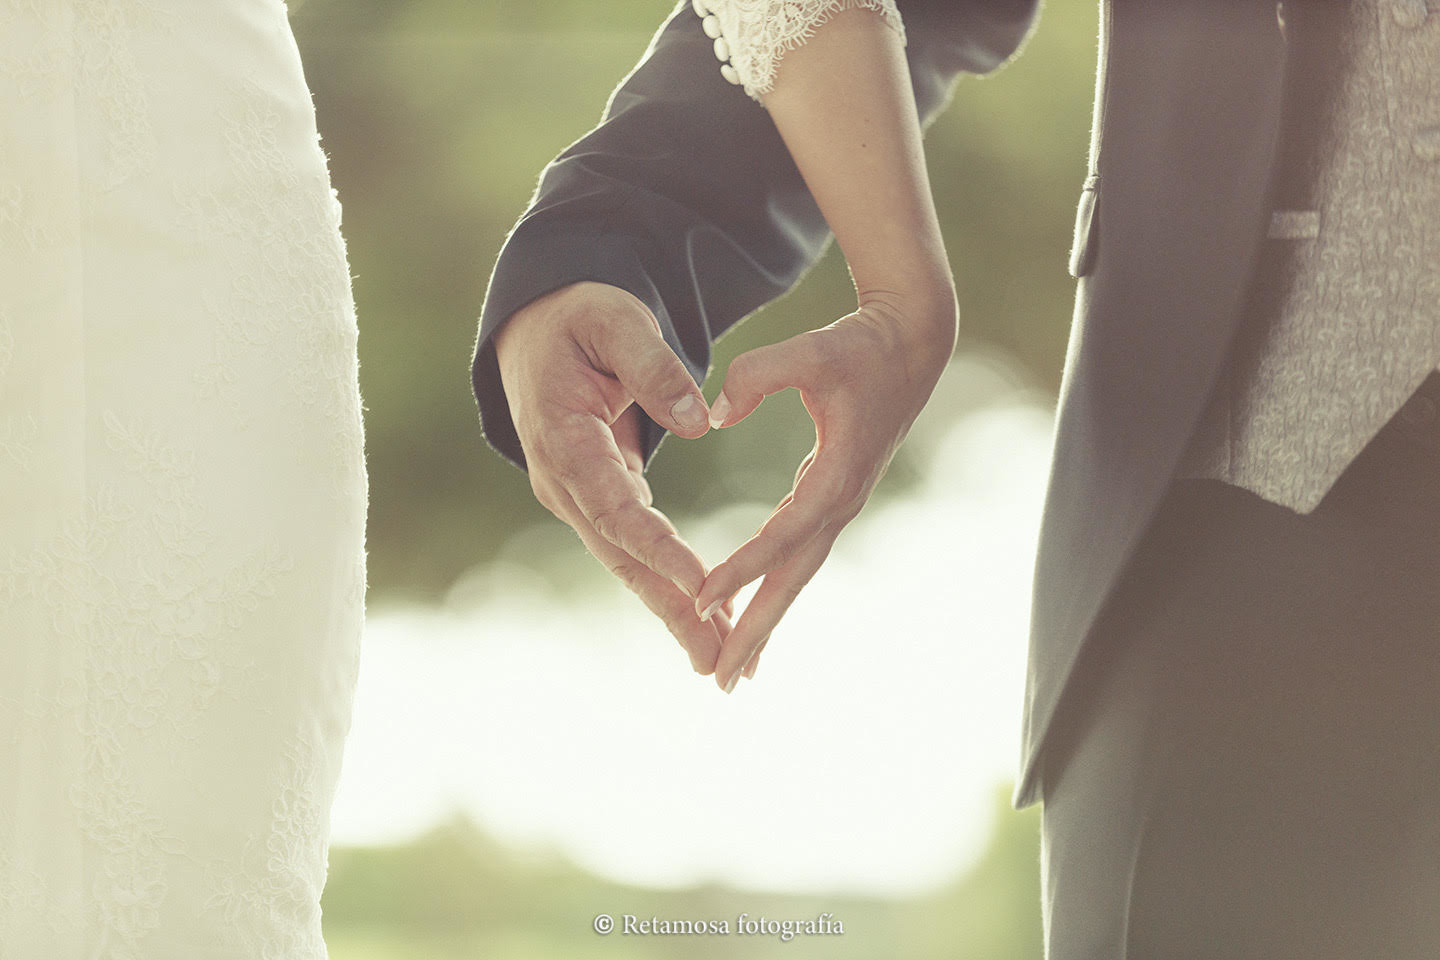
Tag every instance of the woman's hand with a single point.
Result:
(864, 379)
(842, 101)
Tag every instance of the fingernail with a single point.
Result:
(689, 411)
(733, 680)
(686, 589)
(709, 611)
(719, 409)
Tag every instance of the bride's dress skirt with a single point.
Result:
(182, 485)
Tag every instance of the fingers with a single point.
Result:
(581, 459)
(700, 640)
(627, 437)
(766, 608)
(804, 466)
(749, 669)
(820, 497)
(594, 358)
(755, 374)
(635, 352)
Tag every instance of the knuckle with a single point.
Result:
(817, 349)
(788, 544)
(740, 372)
(571, 470)
(853, 504)
(773, 543)
(622, 572)
(563, 475)
(659, 537)
(850, 492)
(834, 491)
(609, 519)
(603, 520)
(602, 324)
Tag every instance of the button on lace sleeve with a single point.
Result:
(752, 35)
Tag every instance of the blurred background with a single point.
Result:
(530, 748)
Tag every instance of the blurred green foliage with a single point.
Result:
(438, 115)
(454, 894)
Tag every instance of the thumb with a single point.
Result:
(755, 374)
(647, 366)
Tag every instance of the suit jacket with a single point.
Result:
(685, 196)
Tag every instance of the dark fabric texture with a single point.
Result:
(1245, 764)
(1183, 155)
(1312, 30)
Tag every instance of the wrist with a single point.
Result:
(921, 324)
(927, 308)
(916, 272)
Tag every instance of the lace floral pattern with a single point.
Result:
(182, 484)
(281, 224)
(274, 878)
(17, 431)
(758, 32)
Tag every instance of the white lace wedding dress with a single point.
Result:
(752, 36)
(182, 485)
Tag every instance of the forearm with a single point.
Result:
(843, 105)
(686, 196)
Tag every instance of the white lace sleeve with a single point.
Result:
(754, 34)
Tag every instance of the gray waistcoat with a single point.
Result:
(1355, 323)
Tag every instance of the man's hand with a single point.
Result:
(573, 364)
(863, 379)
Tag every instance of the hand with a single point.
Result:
(573, 365)
(863, 379)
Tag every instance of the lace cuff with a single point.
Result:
(754, 34)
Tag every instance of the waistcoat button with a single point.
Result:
(722, 49)
(699, 7)
(1427, 144)
(729, 73)
(711, 25)
(1409, 13)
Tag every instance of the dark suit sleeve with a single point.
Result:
(685, 195)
